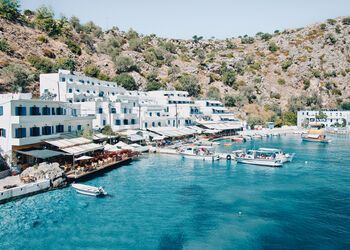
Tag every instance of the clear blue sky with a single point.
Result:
(185, 18)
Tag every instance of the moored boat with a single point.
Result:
(261, 158)
(205, 153)
(315, 134)
(89, 190)
(279, 154)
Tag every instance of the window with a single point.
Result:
(20, 111)
(69, 128)
(2, 132)
(113, 111)
(63, 79)
(101, 94)
(34, 110)
(133, 121)
(100, 110)
(125, 111)
(158, 114)
(1, 110)
(35, 131)
(59, 111)
(150, 113)
(79, 127)
(104, 122)
(70, 90)
(153, 124)
(20, 132)
(117, 122)
(159, 124)
(146, 124)
(126, 122)
(46, 111)
(59, 128)
(46, 130)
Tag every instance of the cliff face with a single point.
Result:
(306, 67)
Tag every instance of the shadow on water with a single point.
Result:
(172, 242)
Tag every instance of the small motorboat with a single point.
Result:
(89, 190)
(205, 153)
(316, 133)
(261, 158)
(238, 139)
(279, 154)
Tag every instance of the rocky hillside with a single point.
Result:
(266, 75)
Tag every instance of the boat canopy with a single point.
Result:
(313, 136)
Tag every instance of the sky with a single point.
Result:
(209, 18)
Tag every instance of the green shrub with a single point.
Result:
(266, 36)
(49, 53)
(345, 105)
(125, 64)
(286, 64)
(44, 20)
(189, 83)
(9, 9)
(16, 76)
(136, 44)
(5, 47)
(330, 39)
(281, 81)
(275, 95)
(126, 81)
(131, 34)
(306, 84)
(338, 29)
(323, 26)
(247, 40)
(214, 93)
(346, 21)
(42, 39)
(336, 92)
(289, 118)
(229, 78)
(331, 21)
(154, 56)
(169, 46)
(111, 47)
(233, 101)
(316, 73)
(196, 38)
(255, 120)
(273, 47)
(74, 47)
(92, 70)
(66, 63)
(153, 85)
(42, 64)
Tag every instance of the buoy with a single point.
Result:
(228, 157)
(305, 162)
(239, 213)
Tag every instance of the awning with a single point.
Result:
(81, 149)
(42, 153)
(84, 158)
(135, 137)
(69, 142)
(222, 125)
(173, 131)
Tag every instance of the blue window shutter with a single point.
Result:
(1, 110)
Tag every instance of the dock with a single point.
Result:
(72, 176)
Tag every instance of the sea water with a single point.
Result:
(166, 202)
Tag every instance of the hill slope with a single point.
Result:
(258, 76)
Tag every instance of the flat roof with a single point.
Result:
(42, 153)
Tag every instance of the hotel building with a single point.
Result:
(331, 118)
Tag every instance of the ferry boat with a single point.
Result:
(89, 190)
(261, 158)
(315, 134)
(280, 155)
(205, 153)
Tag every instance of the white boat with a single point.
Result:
(260, 158)
(279, 154)
(204, 153)
(89, 190)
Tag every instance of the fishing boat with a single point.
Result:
(257, 136)
(261, 158)
(238, 139)
(315, 134)
(89, 190)
(205, 153)
(280, 155)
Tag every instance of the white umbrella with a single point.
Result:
(84, 157)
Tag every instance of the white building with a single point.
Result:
(111, 104)
(26, 122)
(214, 110)
(331, 117)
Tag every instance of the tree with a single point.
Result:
(346, 21)
(75, 22)
(273, 47)
(9, 9)
(214, 93)
(345, 105)
(107, 130)
(321, 115)
(229, 78)
(252, 121)
(44, 20)
(196, 38)
(44, 65)
(66, 63)
(289, 118)
(190, 84)
(88, 133)
(266, 36)
(136, 44)
(73, 46)
(233, 101)
(92, 70)
(16, 76)
(125, 64)
(153, 82)
(126, 81)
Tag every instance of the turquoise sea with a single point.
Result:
(165, 202)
